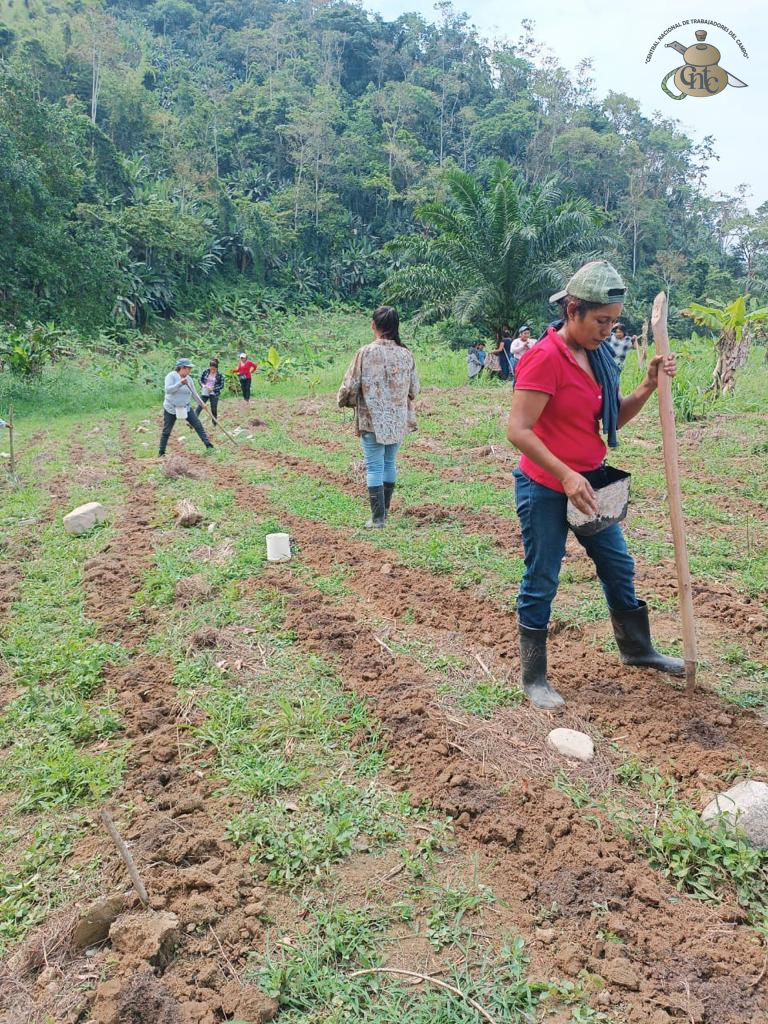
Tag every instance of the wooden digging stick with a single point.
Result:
(672, 470)
(12, 459)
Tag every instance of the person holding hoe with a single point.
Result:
(566, 384)
(179, 392)
(380, 385)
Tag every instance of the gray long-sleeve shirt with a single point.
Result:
(178, 394)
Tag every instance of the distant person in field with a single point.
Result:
(503, 352)
(4, 424)
(476, 360)
(565, 386)
(519, 346)
(245, 370)
(211, 386)
(381, 384)
(179, 392)
(620, 344)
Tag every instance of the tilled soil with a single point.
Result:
(674, 959)
(174, 824)
(675, 956)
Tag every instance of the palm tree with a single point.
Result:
(733, 325)
(492, 253)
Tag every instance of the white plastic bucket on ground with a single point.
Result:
(278, 547)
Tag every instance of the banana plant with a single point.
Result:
(734, 326)
(278, 367)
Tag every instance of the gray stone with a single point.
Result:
(94, 922)
(84, 517)
(746, 805)
(571, 743)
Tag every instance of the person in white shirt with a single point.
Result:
(520, 345)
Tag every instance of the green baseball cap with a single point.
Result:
(597, 281)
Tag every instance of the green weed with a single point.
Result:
(446, 915)
(488, 695)
(27, 891)
(60, 775)
(333, 822)
(421, 859)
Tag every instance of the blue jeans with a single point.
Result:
(544, 528)
(379, 460)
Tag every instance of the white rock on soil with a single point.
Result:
(84, 518)
(745, 804)
(571, 743)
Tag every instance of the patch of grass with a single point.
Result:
(420, 859)
(52, 713)
(451, 904)
(312, 979)
(301, 724)
(300, 841)
(747, 687)
(488, 695)
(28, 891)
(60, 775)
(432, 659)
(49, 635)
(703, 859)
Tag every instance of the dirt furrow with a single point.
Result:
(693, 737)
(203, 897)
(537, 849)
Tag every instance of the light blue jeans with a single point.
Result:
(379, 460)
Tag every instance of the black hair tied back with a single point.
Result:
(387, 322)
(582, 306)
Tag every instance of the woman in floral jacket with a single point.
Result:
(380, 385)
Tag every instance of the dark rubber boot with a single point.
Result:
(533, 663)
(378, 509)
(389, 490)
(633, 635)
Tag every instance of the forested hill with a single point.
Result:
(153, 150)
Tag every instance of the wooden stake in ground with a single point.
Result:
(12, 459)
(125, 853)
(672, 470)
(642, 351)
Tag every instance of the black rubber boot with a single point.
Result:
(533, 663)
(633, 635)
(378, 509)
(389, 490)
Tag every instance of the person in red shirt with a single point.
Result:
(245, 370)
(564, 386)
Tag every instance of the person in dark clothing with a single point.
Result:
(211, 386)
(179, 392)
(504, 352)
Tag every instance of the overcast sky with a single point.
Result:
(618, 37)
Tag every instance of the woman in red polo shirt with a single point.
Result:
(564, 386)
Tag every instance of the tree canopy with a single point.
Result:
(156, 149)
(495, 252)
